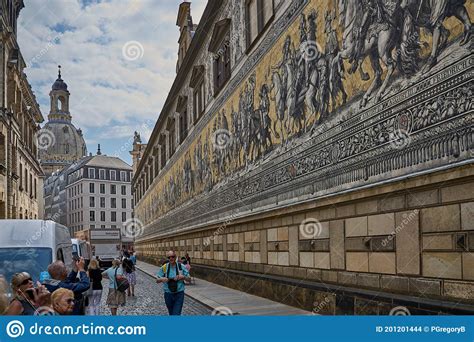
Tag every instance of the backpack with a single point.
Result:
(172, 284)
(128, 265)
(122, 284)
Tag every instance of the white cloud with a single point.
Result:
(109, 94)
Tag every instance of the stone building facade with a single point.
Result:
(93, 193)
(321, 152)
(21, 176)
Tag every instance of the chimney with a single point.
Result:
(98, 150)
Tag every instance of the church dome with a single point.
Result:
(59, 84)
(64, 144)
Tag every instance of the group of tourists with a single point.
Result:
(79, 291)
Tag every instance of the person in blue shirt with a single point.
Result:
(115, 298)
(172, 275)
(133, 257)
(61, 279)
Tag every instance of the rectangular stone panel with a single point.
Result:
(248, 257)
(282, 234)
(442, 265)
(321, 245)
(273, 258)
(346, 210)
(368, 280)
(314, 246)
(306, 259)
(357, 244)
(424, 287)
(394, 283)
(422, 198)
(441, 219)
(356, 226)
(293, 245)
(382, 243)
(305, 246)
(438, 242)
(263, 246)
(272, 234)
(383, 224)
(241, 247)
(347, 278)
(392, 203)
(468, 266)
(458, 192)
(357, 261)
(283, 259)
(248, 236)
(327, 213)
(336, 242)
(322, 260)
(313, 229)
(256, 257)
(457, 289)
(467, 216)
(382, 263)
(366, 207)
(408, 242)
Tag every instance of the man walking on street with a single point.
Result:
(173, 274)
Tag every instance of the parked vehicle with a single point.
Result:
(106, 245)
(81, 249)
(31, 245)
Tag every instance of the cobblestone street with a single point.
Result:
(149, 300)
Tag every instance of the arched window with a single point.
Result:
(61, 103)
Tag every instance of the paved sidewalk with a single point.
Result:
(229, 301)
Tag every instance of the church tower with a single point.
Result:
(59, 96)
(60, 143)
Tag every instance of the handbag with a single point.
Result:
(122, 283)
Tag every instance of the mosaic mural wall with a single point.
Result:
(338, 94)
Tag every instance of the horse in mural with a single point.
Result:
(430, 15)
(375, 28)
(371, 31)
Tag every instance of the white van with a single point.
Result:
(31, 245)
(82, 249)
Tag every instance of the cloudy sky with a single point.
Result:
(118, 58)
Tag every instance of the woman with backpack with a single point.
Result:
(129, 268)
(116, 295)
